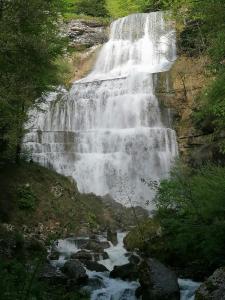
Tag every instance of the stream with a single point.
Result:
(101, 286)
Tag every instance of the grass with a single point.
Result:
(59, 209)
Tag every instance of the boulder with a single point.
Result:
(52, 275)
(100, 256)
(213, 288)
(157, 281)
(97, 246)
(54, 255)
(112, 236)
(85, 34)
(126, 272)
(75, 270)
(94, 266)
(134, 259)
(82, 255)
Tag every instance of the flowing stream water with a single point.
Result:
(109, 288)
(108, 132)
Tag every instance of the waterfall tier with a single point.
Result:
(108, 132)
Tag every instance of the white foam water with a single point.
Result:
(104, 287)
(188, 288)
(108, 132)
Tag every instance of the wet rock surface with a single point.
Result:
(112, 236)
(94, 266)
(82, 255)
(157, 281)
(214, 287)
(52, 275)
(97, 246)
(125, 272)
(85, 34)
(75, 270)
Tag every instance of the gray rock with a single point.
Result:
(112, 236)
(125, 272)
(157, 281)
(74, 270)
(94, 266)
(213, 288)
(96, 246)
(52, 275)
(82, 255)
(86, 34)
(134, 258)
(54, 255)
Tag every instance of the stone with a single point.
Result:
(54, 255)
(112, 236)
(52, 275)
(157, 281)
(126, 272)
(96, 246)
(84, 34)
(82, 255)
(94, 266)
(75, 270)
(134, 259)
(213, 288)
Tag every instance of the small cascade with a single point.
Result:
(108, 132)
(100, 285)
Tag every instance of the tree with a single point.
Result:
(29, 45)
(95, 8)
(191, 206)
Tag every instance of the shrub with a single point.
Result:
(191, 210)
(94, 8)
(26, 197)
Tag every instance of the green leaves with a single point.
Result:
(29, 46)
(191, 210)
(95, 8)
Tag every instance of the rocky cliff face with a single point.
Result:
(178, 91)
(85, 40)
(214, 287)
(85, 34)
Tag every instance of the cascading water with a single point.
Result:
(108, 132)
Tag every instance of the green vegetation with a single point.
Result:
(26, 197)
(119, 8)
(21, 261)
(17, 281)
(191, 209)
(34, 196)
(188, 229)
(30, 44)
(95, 8)
(90, 10)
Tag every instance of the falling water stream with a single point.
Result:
(108, 132)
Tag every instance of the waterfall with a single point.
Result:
(108, 132)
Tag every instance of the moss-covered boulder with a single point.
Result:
(214, 287)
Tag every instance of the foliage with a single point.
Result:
(143, 236)
(203, 33)
(20, 281)
(26, 197)
(191, 207)
(119, 8)
(95, 8)
(29, 43)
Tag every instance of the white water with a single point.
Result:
(188, 289)
(109, 288)
(114, 289)
(108, 132)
